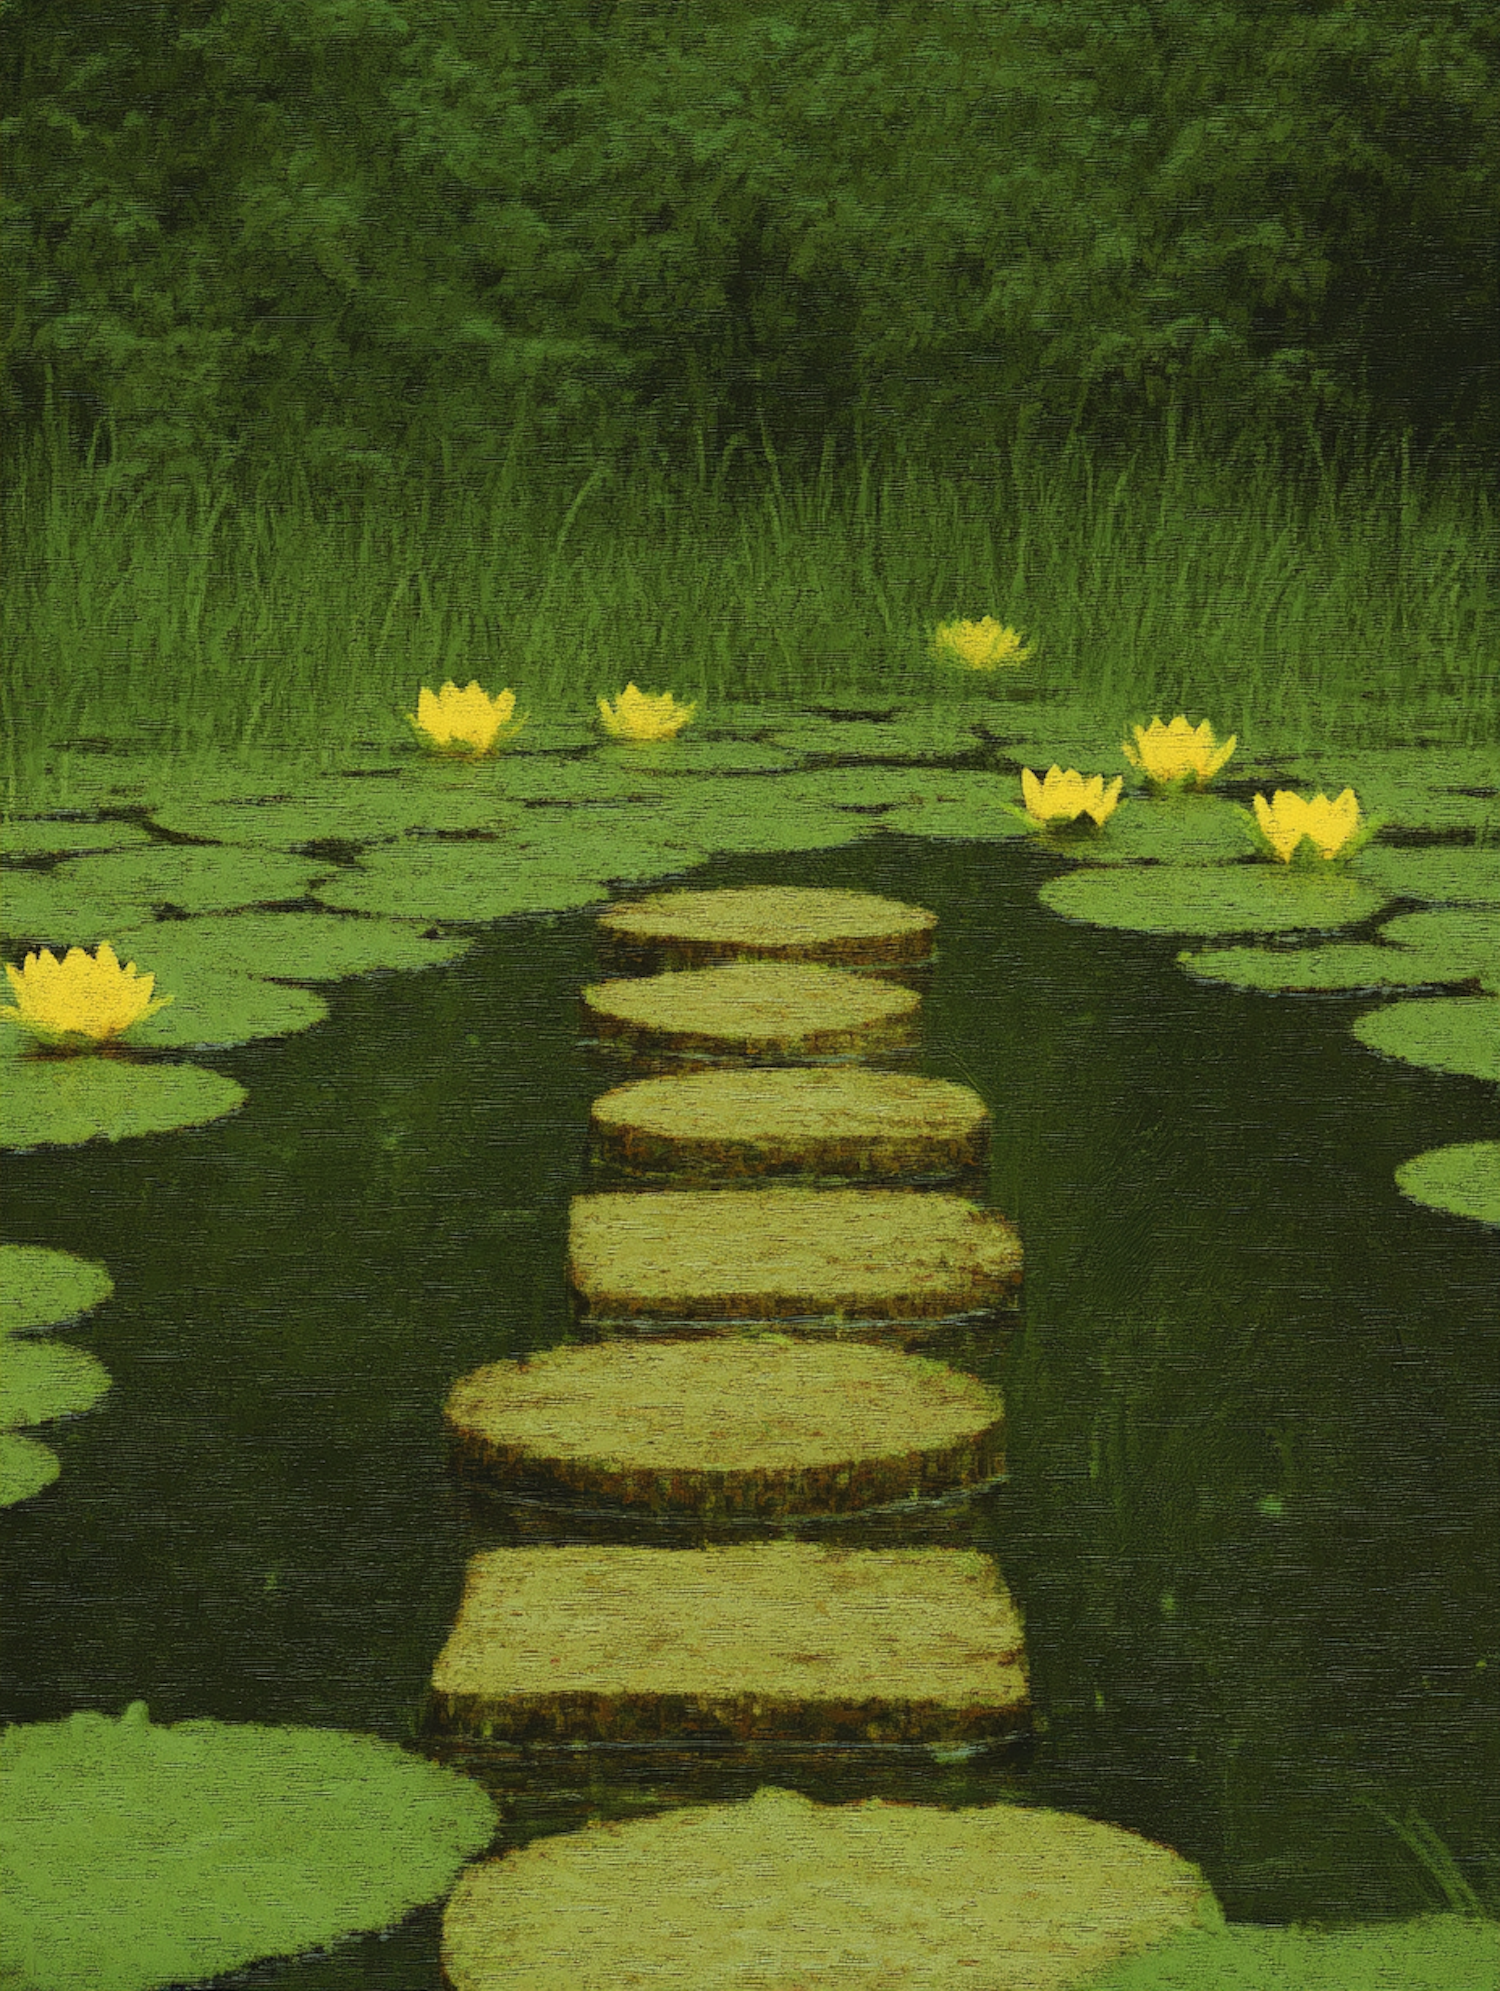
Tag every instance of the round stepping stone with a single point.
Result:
(780, 1893)
(771, 923)
(837, 1256)
(770, 1641)
(755, 1009)
(764, 1427)
(823, 1122)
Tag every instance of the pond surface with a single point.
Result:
(1253, 1408)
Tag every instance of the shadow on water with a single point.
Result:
(1252, 1404)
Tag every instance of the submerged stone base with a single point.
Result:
(805, 1255)
(775, 1640)
(781, 1894)
(763, 1427)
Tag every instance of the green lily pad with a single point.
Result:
(212, 1008)
(1442, 1033)
(1463, 1178)
(643, 841)
(1457, 876)
(697, 756)
(345, 811)
(140, 1855)
(938, 735)
(43, 1288)
(1467, 939)
(1181, 829)
(61, 1102)
(459, 882)
(1249, 898)
(746, 814)
(25, 1467)
(860, 787)
(1347, 965)
(555, 734)
(1434, 1953)
(40, 1380)
(198, 880)
(970, 803)
(290, 946)
(41, 907)
(61, 779)
(1412, 767)
(586, 779)
(39, 837)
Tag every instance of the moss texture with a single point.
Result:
(770, 923)
(755, 1009)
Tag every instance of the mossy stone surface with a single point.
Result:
(783, 1894)
(828, 1122)
(754, 1009)
(766, 1641)
(765, 1426)
(773, 923)
(831, 1255)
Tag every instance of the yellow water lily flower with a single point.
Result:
(79, 997)
(1063, 797)
(983, 646)
(643, 715)
(467, 721)
(1167, 754)
(1286, 819)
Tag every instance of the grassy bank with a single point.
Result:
(177, 613)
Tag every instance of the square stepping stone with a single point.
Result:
(764, 1642)
(830, 1257)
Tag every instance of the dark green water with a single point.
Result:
(1253, 1405)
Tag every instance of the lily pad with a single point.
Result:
(854, 787)
(1432, 768)
(61, 1102)
(1350, 965)
(459, 882)
(25, 1467)
(139, 1855)
(43, 1288)
(340, 810)
(1434, 1953)
(290, 946)
(586, 778)
(1457, 876)
(1184, 829)
(199, 880)
(697, 756)
(937, 735)
(1463, 1178)
(1249, 898)
(1442, 1033)
(1466, 939)
(211, 1008)
(747, 814)
(40, 1380)
(42, 837)
(970, 803)
(43, 908)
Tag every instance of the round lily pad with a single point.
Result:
(40, 1380)
(196, 878)
(1463, 875)
(1463, 1178)
(291, 946)
(695, 756)
(1249, 898)
(42, 837)
(1178, 829)
(139, 1855)
(857, 787)
(782, 1891)
(1434, 1953)
(589, 777)
(1443, 1033)
(25, 1468)
(43, 1288)
(1431, 768)
(1350, 965)
(338, 810)
(970, 803)
(461, 882)
(61, 1102)
(46, 909)
(213, 1008)
(1464, 937)
(937, 735)
(749, 813)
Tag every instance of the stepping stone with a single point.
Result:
(768, 1641)
(817, 1122)
(781, 1892)
(765, 1427)
(770, 923)
(755, 1009)
(837, 1256)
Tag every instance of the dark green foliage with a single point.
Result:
(394, 229)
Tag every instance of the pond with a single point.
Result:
(1252, 1402)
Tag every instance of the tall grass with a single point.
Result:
(256, 612)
